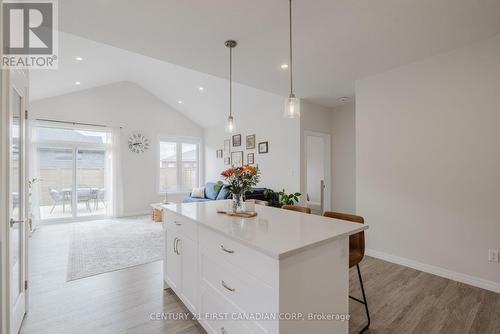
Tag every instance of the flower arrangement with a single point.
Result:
(240, 180)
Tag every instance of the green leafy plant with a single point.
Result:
(288, 199)
(218, 186)
(281, 198)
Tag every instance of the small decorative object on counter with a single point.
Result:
(240, 180)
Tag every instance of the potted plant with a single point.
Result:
(288, 199)
(240, 180)
(278, 199)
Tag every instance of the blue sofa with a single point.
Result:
(212, 195)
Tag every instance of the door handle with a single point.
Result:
(13, 222)
(175, 245)
(226, 250)
(227, 287)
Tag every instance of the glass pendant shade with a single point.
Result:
(230, 125)
(292, 107)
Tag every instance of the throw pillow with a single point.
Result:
(198, 192)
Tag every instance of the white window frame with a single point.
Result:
(179, 141)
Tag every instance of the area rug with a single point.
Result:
(107, 245)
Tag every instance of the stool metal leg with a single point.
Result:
(364, 302)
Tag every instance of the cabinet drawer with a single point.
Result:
(246, 293)
(219, 316)
(180, 225)
(244, 258)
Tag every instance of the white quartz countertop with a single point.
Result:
(275, 232)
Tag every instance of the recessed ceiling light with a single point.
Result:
(78, 83)
(78, 58)
(343, 99)
(180, 102)
(284, 66)
(201, 88)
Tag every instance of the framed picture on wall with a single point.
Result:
(250, 158)
(227, 161)
(264, 147)
(251, 142)
(237, 158)
(236, 140)
(219, 154)
(227, 146)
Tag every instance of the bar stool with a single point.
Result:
(296, 208)
(356, 253)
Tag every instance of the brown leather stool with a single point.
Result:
(356, 253)
(296, 208)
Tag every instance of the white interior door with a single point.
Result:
(317, 155)
(17, 236)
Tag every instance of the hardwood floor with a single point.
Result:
(401, 300)
(404, 300)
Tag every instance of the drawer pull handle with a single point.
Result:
(175, 245)
(178, 251)
(226, 250)
(223, 330)
(228, 288)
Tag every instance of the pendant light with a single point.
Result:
(230, 126)
(292, 103)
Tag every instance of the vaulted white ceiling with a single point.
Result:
(336, 43)
(103, 64)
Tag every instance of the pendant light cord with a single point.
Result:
(230, 82)
(291, 56)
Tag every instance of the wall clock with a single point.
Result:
(138, 143)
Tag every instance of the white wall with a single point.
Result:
(127, 105)
(343, 158)
(260, 113)
(428, 160)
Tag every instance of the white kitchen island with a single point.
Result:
(280, 272)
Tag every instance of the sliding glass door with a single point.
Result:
(90, 179)
(71, 168)
(55, 172)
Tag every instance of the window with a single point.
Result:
(179, 165)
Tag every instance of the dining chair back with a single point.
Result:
(297, 208)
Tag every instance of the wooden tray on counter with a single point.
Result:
(244, 214)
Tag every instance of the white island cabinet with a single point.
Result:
(281, 272)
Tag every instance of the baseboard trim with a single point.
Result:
(135, 214)
(453, 275)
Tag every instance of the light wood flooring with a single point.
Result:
(401, 300)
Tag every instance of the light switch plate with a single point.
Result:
(493, 255)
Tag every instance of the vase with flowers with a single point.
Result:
(240, 180)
